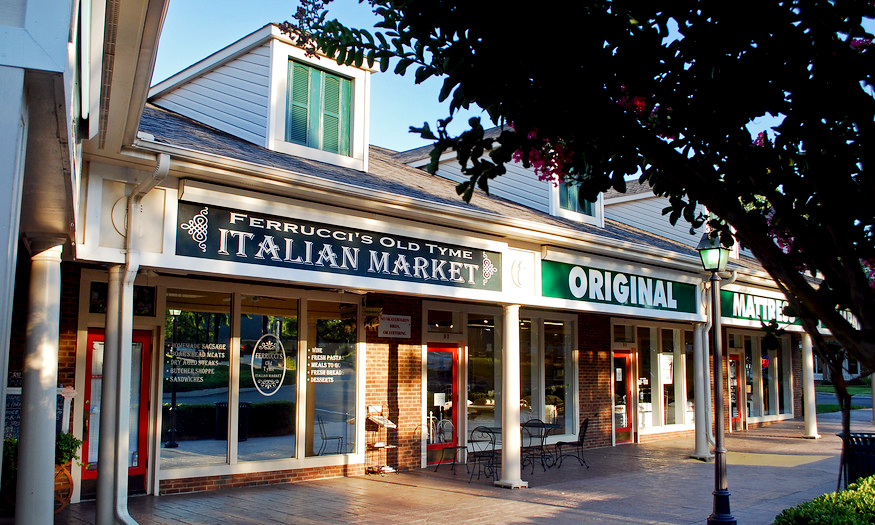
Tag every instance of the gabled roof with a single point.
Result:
(392, 181)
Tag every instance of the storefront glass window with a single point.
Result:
(646, 349)
(557, 372)
(783, 378)
(268, 370)
(666, 371)
(484, 389)
(752, 369)
(331, 378)
(195, 387)
(528, 372)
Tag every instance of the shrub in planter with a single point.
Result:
(854, 506)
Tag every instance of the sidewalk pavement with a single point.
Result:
(769, 469)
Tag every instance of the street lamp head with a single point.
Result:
(714, 255)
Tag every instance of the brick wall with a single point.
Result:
(594, 370)
(394, 381)
(70, 273)
(207, 483)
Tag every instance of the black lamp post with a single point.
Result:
(714, 259)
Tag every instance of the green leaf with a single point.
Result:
(402, 65)
(422, 73)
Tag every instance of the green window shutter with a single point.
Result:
(318, 113)
(297, 119)
(335, 114)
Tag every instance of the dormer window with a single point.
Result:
(565, 202)
(319, 109)
(569, 199)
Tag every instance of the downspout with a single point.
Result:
(126, 322)
(707, 347)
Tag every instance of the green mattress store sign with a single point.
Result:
(596, 285)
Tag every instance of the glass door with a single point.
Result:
(140, 359)
(622, 397)
(442, 393)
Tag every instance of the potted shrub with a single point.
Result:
(66, 448)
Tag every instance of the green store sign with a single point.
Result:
(595, 285)
(737, 305)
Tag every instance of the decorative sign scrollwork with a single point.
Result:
(198, 227)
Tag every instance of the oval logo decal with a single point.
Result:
(268, 365)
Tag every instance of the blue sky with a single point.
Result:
(194, 29)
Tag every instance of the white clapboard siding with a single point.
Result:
(517, 185)
(646, 214)
(232, 98)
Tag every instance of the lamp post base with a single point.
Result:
(721, 514)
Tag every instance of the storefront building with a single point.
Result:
(284, 302)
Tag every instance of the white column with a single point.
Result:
(700, 361)
(510, 401)
(809, 395)
(34, 502)
(13, 135)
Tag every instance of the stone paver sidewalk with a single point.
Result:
(770, 469)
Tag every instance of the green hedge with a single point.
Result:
(854, 506)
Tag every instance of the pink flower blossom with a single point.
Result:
(860, 43)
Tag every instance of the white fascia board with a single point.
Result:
(626, 198)
(611, 309)
(761, 292)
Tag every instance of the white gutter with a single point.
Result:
(126, 320)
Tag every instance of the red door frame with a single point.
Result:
(627, 355)
(457, 408)
(144, 337)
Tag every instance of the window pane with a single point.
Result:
(558, 373)
(268, 370)
(645, 401)
(195, 397)
(690, 377)
(569, 199)
(752, 369)
(331, 378)
(624, 333)
(666, 371)
(484, 394)
(528, 372)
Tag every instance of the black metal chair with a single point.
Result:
(445, 436)
(534, 436)
(482, 456)
(574, 448)
(326, 437)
